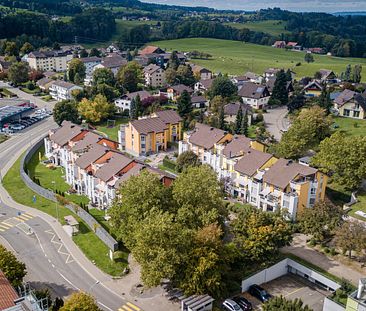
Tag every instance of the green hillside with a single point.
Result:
(272, 27)
(234, 57)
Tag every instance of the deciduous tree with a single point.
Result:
(80, 301)
(222, 86)
(185, 75)
(281, 303)
(66, 110)
(309, 58)
(187, 159)
(18, 72)
(129, 77)
(351, 236)
(13, 269)
(103, 76)
(76, 70)
(95, 110)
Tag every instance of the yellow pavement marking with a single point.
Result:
(6, 226)
(126, 308)
(26, 216)
(22, 218)
(294, 291)
(133, 306)
(2, 230)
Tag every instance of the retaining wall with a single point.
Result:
(330, 305)
(106, 238)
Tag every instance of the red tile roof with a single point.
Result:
(7, 293)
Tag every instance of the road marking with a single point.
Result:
(133, 306)
(295, 291)
(69, 258)
(104, 306)
(3, 226)
(22, 217)
(124, 308)
(25, 228)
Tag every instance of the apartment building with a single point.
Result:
(92, 163)
(150, 134)
(90, 63)
(62, 90)
(49, 60)
(154, 76)
(254, 176)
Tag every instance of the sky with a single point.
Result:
(329, 6)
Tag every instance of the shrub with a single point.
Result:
(333, 252)
(326, 250)
(169, 164)
(312, 243)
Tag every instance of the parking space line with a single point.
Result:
(294, 291)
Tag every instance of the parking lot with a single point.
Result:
(291, 286)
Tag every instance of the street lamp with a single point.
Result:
(54, 192)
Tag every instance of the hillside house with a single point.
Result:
(175, 91)
(351, 104)
(257, 96)
(201, 73)
(231, 111)
(313, 89)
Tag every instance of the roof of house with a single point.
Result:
(251, 75)
(207, 83)
(65, 84)
(114, 165)
(131, 172)
(315, 84)
(89, 139)
(198, 99)
(44, 81)
(345, 97)
(206, 136)
(180, 88)
(252, 90)
(142, 94)
(272, 70)
(8, 293)
(168, 116)
(238, 145)
(91, 59)
(279, 42)
(291, 43)
(233, 108)
(149, 125)
(114, 61)
(252, 161)
(151, 68)
(49, 74)
(271, 82)
(95, 151)
(45, 54)
(149, 50)
(283, 171)
(326, 73)
(199, 69)
(65, 133)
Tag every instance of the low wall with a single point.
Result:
(330, 305)
(106, 238)
(285, 266)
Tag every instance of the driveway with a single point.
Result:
(276, 121)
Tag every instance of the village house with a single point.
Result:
(49, 60)
(114, 62)
(257, 96)
(313, 89)
(270, 73)
(200, 72)
(203, 85)
(44, 83)
(175, 91)
(271, 82)
(351, 104)
(151, 49)
(62, 90)
(199, 102)
(149, 135)
(279, 44)
(124, 102)
(253, 77)
(231, 110)
(90, 63)
(154, 76)
(328, 76)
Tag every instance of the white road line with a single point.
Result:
(69, 258)
(104, 306)
(68, 281)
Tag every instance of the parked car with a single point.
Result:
(259, 293)
(243, 303)
(231, 305)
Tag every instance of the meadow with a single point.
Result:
(272, 27)
(234, 57)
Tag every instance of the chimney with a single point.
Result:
(361, 287)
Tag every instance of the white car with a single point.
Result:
(231, 305)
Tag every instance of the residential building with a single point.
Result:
(271, 72)
(203, 85)
(199, 102)
(231, 110)
(151, 49)
(313, 89)
(90, 63)
(49, 60)
(154, 76)
(254, 176)
(253, 77)
(279, 44)
(257, 96)
(44, 83)
(113, 48)
(328, 76)
(201, 73)
(62, 90)
(92, 164)
(124, 102)
(175, 91)
(291, 44)
(271, 82)
(316, 50)
(114, 62)
(351, 104)
(151, 134)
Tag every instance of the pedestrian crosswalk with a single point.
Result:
(129, 307)
(14, 221)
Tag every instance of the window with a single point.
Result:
(312, 201)
(313, 191)
(346, 112)
(356, 114)
(142, 146)
(142, 138)
(286, 204)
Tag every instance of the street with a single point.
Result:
(276, 121)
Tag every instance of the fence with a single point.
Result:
(106, 238)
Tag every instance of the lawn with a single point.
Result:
(88, 242)
(272, 27)
(109, 131)
(6, 93)
(350, 126)
(234, 57)
(3, 138)
(359, 206)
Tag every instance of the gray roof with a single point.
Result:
(233, 108)
(149, 125)
(206, 136)
(64, 84)
(198, 99)
(151, 68)
(92, 59)
(142, 94)
(345, 97)
(113, 166)
(180, 88)
(239, 145)
(114, 61)
(283, 171)
(168, 116)
(94, 152)
(45, 54)
(65, 133)
(44, 81)
(207, 83)
(252, 90)
(252, 161)
(89, 139)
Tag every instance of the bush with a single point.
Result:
(332, 251)
(312, 243)
(298, 64)
(169, 163)
(61, 200)
(326, 250)
(30, 85)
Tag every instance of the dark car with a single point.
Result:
(243, 303)
(260, 293)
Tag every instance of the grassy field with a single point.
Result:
(112, 132)
(234, 57)
(3, 138)
(350, 126)
(272, 27)
(88, 242)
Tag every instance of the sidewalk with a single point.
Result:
(300, 249)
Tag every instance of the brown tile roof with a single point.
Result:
(180, 88)
(252, 90)
(149, 50)
(237, 146)
(94, 153)
(149, 125)
(206, 83)
(283, 171)
(114, 165)
(7, 293)
(233, 108)
(132, 172)
(198, 99)
(114, 61)
(89, 139)
(65, 133)
(142, 94)
(168, 116)
(252, 161)
(206, 136)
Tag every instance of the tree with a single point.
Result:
(222, 122)
(222, 86)
(238, 121)
(259, 235)
(11, 49)
(184, 104)
(307, 131)
(357, 69)
(324, 100)
(76, 67)
(173, 61)
(13, 269)
(129, 76)
(296, 102)
(351, 236)
(106, 90)
(103, 76)
(348, 74)
(18, 72)
(309, 58)
(185, 75)
(344, 158)
(94, 52)
(217, 103)
(77, 94)
(281, 303)
(66, 110)
(289, 75)
(321, 221)
(244, 125)
(26, 48)
(133, 110)
(83, 53)
(138, 105)
(170, 75)
(35, 75)
(56, 46)
(280, 93)
(80, 301)
(95, 110)
(187, 159)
